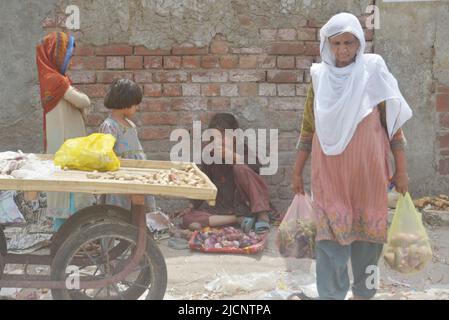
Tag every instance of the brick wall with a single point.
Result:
(264, 86)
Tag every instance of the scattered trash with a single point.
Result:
(234, 284)
(159, 224)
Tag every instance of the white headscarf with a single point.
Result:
(345, 96)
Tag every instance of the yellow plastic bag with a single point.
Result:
(94, 152)
(408, 249)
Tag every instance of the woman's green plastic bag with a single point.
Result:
(408, 248)
(94, 152)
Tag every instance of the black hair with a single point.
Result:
(222, 121)
(122, 94)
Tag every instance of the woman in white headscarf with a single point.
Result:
(352, 120)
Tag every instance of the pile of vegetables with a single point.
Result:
(297, 240)
(407, 253)
(172, 177)
(228, 237)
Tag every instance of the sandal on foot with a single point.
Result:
(247, 224)
(262, 226)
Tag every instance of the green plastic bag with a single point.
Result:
(408, 249)
(94, 152)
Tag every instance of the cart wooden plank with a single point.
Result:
(77, 181)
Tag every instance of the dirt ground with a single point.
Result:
(195, 275)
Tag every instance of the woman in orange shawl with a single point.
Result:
(63, 108)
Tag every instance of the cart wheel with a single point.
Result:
(88, 216)
(150, 274)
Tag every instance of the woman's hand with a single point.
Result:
(298, 184)
(400, 180)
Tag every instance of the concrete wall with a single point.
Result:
(253, 54)
(414, 41)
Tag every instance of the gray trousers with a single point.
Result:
(332, 268)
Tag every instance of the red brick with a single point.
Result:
(81, 77)
(248, 62)
(444, 120)
(155, 105)
(172, 90)
(369, 34)
(114, 50)
(115, 63)
(190, 104)
(94, 120)
(284, 76)
(82, 50)
(152, 90)
(248, 89)
(247, 76)
(303, 62)
(209, 62)
(315, 24)
(250, 50)
(245, 20)
(143, 51)
(109, 76)
(154, 133)
(210, 90)
(287, 104)
(219, 47)
(444, 141)
(287, 34)
(307, 34)
(267, 89)
(170, 76)
(133, 62)
(218, 104)
(266, 62)
(172, 62)
(229, 62)
(189, 50)
(191, 62)
(88, 63)
(268, 34)
(93, 90)
(191, 89)
(442, 102)
(312, 49)
(229, 90)
(209, 76)
(287, 48)
(443, 167)
(286, 90)
(286, 62)
(444, 153)
(152, 62)
(142, 76)
(158, 118)
(302, 89)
